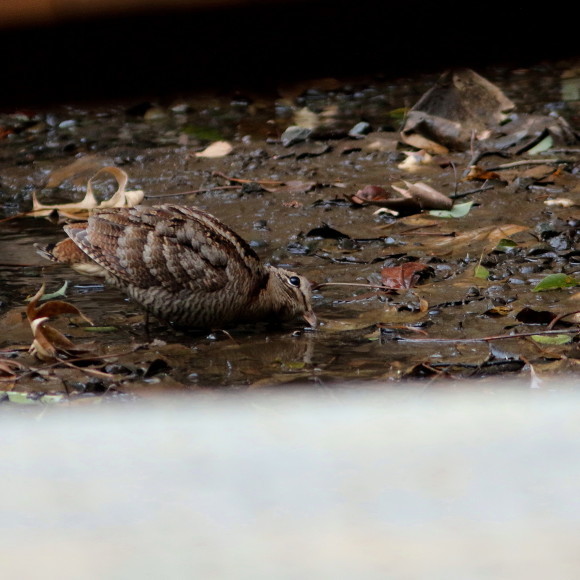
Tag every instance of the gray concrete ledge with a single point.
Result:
(334, 484)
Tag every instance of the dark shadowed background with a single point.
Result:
(57, 50)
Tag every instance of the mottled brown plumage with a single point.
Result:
(185, 266)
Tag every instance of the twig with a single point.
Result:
(21, 215)
(360, 285)
(193, 191)
(560, 317)
(492, 338)
(478, 156)
(237, 180)
(452, 196)
(484, 187)
(525, 162)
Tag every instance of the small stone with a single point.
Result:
(180, 108)
(155, 114)
(295, 134)
(360, 129)
(67, 124)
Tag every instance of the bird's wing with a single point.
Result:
(175, 247)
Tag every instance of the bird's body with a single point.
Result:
(184, 266)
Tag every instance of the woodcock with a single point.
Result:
(184, 266)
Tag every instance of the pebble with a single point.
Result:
(360, 129)
(295, 134)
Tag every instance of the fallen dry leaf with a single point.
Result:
(561, 202)
(403, 276)
(415, 160)
(216, 150)
(77, 172)
(8, 368)
(474, 241)
(48, 342)
(425, 195)
(477, 173)
(371, 194)
(460, 107)
(416, 197)
(293, 203)
(76, 210)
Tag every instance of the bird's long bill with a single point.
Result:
(310, 317)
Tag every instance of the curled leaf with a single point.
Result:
(425, 195)
(414, 198)
(121, 198)
(48, 342)
(371, 193)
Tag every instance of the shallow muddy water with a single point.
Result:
(435, 329)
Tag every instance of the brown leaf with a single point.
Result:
(426, 196)
(77, 172)
(461, 106)
(48, 342)
(404, 276)
(473, 241)
(9, 367)
(293, 203)
(498, 311)
(416, 197)
(477, 173)
(50, 309)
(371, 193)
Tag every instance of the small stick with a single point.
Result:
(193, 191)
(361, 285)
(484, 187)
(237, 180)
(558, 318)
(525, 162)
(492, 338)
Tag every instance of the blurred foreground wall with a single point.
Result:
(415, 483)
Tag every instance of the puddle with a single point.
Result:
(364, 335)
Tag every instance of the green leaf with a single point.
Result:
(505, 245)
(399, 114)
(555, 282)
(22, 398)
(545, 144)
(457, 211)
(552, 339)
(60, 292)
(481, 272)
(202, 133)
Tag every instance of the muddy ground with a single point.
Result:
(292, 202)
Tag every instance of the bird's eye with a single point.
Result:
(294, 281)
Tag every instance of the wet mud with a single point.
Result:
(292, 202)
